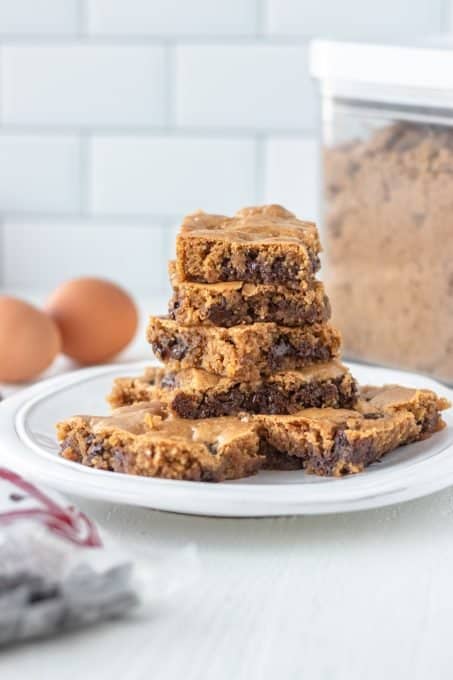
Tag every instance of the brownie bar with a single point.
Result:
(145, 440)
(194, 393)
(242, 352)
(339, 441)
(423, 404)
(142, 440)
(235, 302)
(266, 244)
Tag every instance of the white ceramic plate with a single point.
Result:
(27, 444)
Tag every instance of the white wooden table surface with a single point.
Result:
(366, 595)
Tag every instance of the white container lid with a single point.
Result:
(413, 74)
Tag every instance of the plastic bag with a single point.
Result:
(58, 573)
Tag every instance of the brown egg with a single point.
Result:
(29, 340)
(96, 318)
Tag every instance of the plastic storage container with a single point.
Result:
(387, 147)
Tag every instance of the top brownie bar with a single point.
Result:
(265, 244)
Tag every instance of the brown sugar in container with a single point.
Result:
(387, 148)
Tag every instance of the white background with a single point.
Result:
(118, 116)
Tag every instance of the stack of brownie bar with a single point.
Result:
(247, 329)
(251, 376)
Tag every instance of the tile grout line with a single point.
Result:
(261, 11)
(2, 216)
(82, 18)
(260, 172)
(85, 174)
(151, 41)
(182, 131)
(2, 77)
(446, 16)
(97, 219)
(3, 281)
(166, 232)
(170, 86)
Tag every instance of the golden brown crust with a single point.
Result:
(257, 223)
(339, 441)
(242, 352)
(139, 442)
(194, 393)
(144, 440)
(266, 244)
(238, 302)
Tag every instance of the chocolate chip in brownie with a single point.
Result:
(315, 263)
(213, 448)
(252, 266)
(94, 450)
(226, 270)
(360, 452)
(169, 381)
(118, 459)
(268, 400)
(220, 315)
(173, 305)
(280, 349)
(171, 348)
(187, 407)
(430, 422)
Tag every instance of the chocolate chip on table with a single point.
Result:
(16, 497)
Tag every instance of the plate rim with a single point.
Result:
(197, 497)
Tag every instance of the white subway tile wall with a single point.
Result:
(257, 87)
(38, 17)
(291, 174)
(170, 175)
(83, 85)
(133, 256)
(172, 17)
(39, 174)
(396, 19)
(117, 116)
